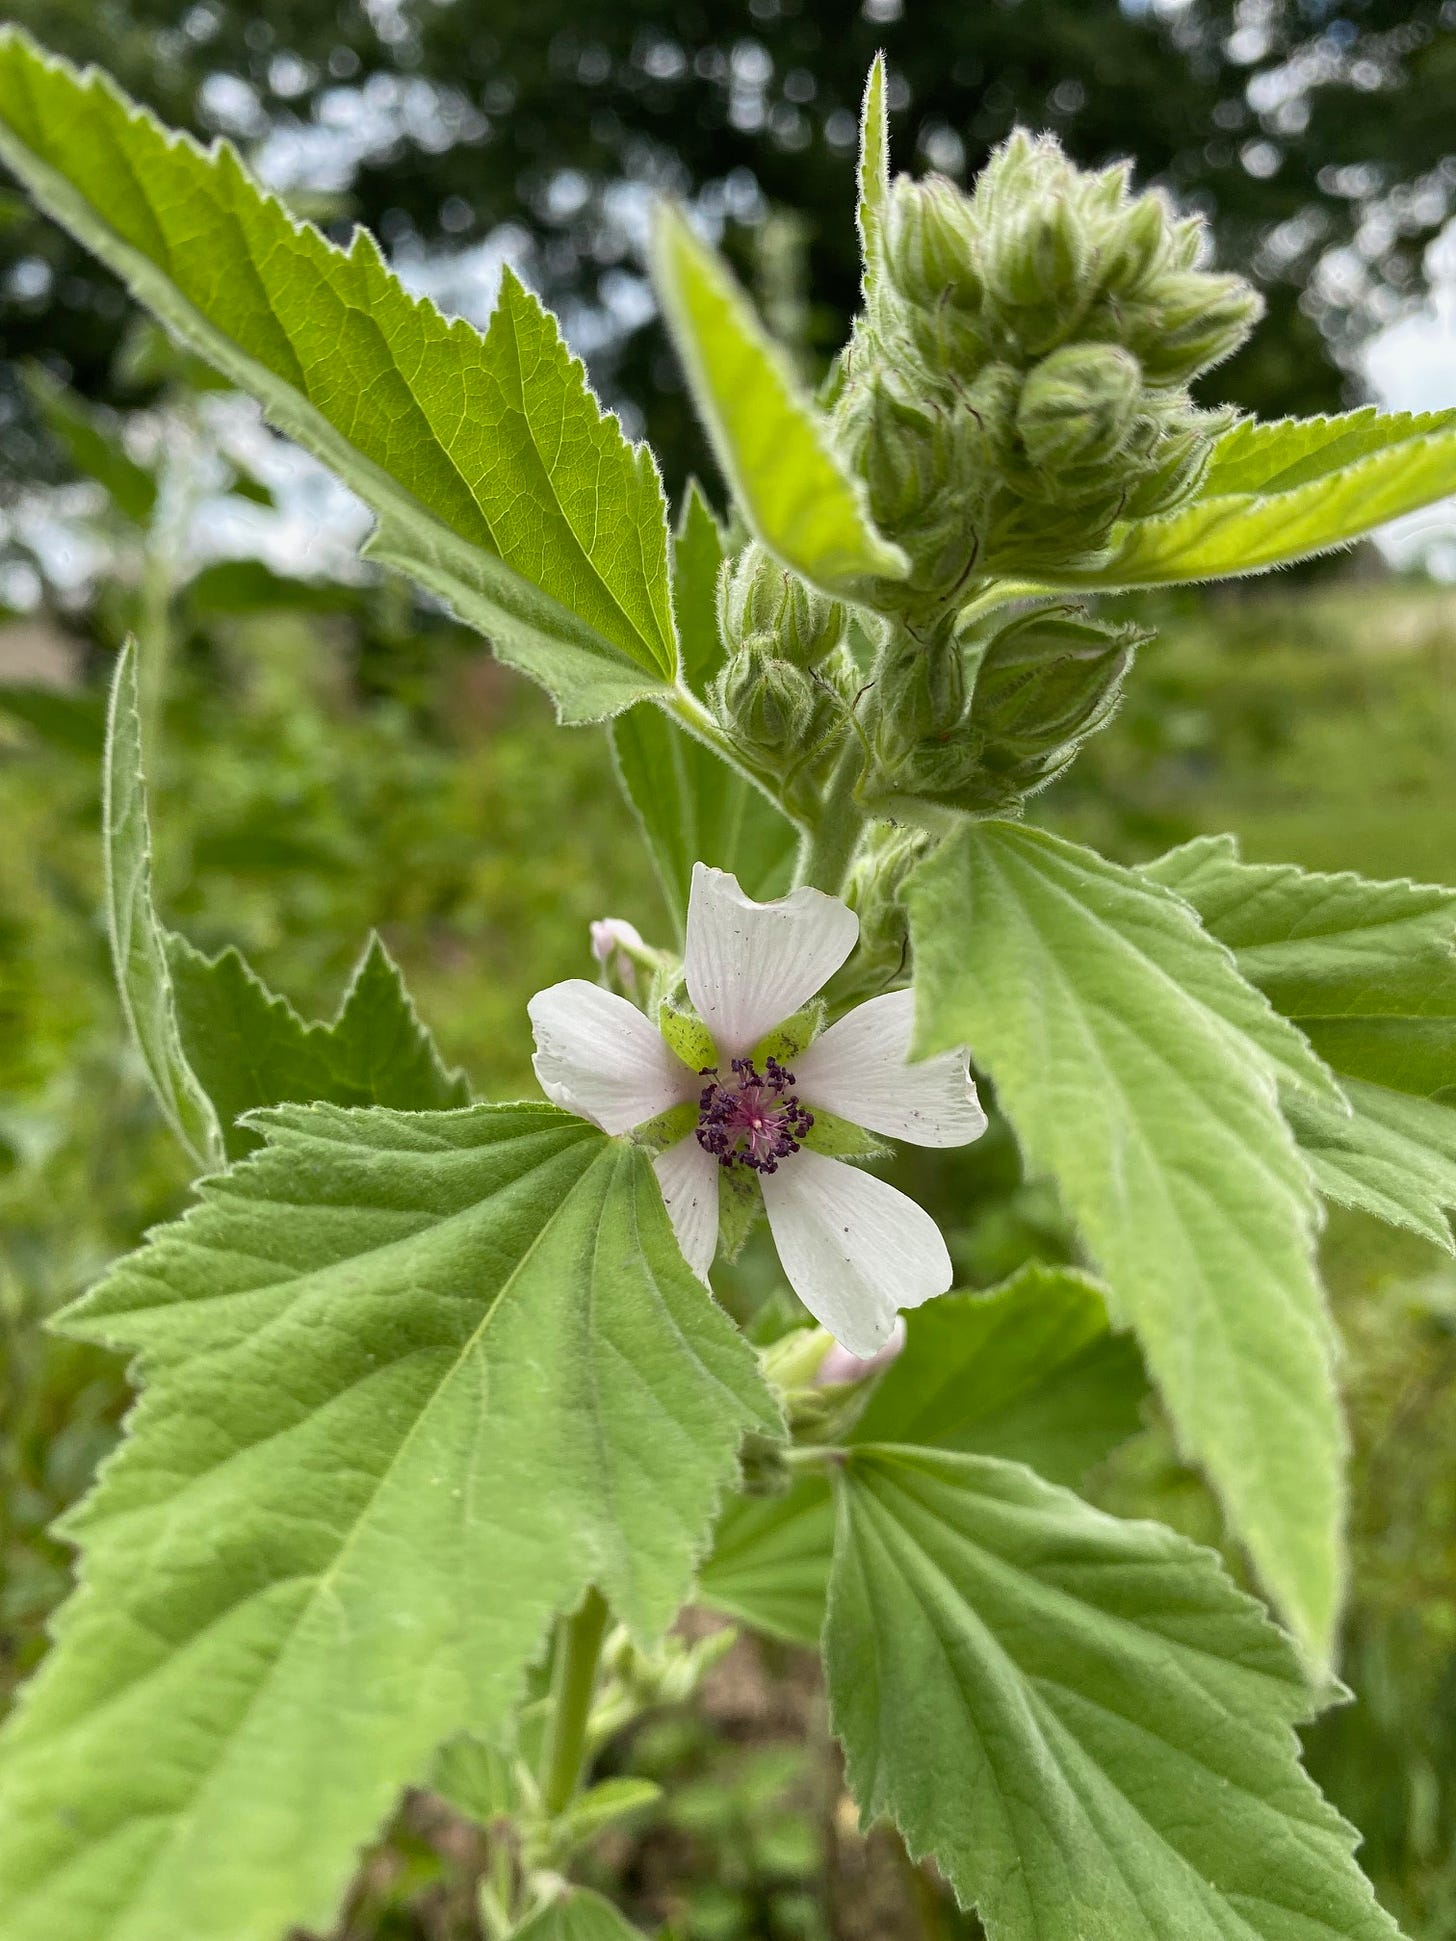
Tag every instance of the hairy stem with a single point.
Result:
(829, 845)
(573, 1683)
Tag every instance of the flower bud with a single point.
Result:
(875, 893)
(1191, 321)
(920, 692)
(1077, 405)
(1138, 245)
(929, 244)
(766, 703)
(763, 604)
(919, 460)
(1047, 680)
(1038, 260)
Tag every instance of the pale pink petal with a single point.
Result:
(751, 965)
(855, 1250)
(839, 1365)
(860, 1070)
(597, 1055)
(688, 1177)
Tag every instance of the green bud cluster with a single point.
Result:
(1042, 684)
(1019, 381)
(1030, 692)
(875, 892)
(784, 690)
(763, 607)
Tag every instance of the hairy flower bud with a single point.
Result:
(763, 605)
(1190, 321)
(929, 244)
(767, 703)
(1043, 683)
(920, 462)
(920, 693)
(1077, 405)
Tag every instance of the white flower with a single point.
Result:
(854, 1248)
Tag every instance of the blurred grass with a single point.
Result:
(310, 785)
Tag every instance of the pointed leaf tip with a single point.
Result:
(772, 444)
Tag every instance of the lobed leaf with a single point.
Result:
(1106, 1017)
(138, 942)
(794, 494)
(1285, 491)
(1083, 1721)
(250, 1048)
(1368, 972)
(1029, 1372)
(498, 482)
(412, 1382)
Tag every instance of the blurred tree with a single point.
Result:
(1316, 134)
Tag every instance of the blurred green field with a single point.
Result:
(319, 775)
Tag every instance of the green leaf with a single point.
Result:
(1285, 491)
(411, 1383)
(699, 547)
(691, 806)
(601, 1806)
(92, 445)
(249, 1048)
(579, 1915)
(1083, 1721)
(873, 179)
(770, 1561)
(1029, 1371)
(1368, 971)
(1105, 1017)
(1394, 1157)
(773, 447)
(498, 482)
(138, 941)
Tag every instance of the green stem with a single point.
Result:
(573, 1684)
(828, 847)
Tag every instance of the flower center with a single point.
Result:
(751, 1120)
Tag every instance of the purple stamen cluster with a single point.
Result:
(751, 1120)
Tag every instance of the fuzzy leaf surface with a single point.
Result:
(411, 1382)
(1083, 1720)
(498, 481)
(1106, 1018)
(873, 177)
(250, 1048)
(1366, 969)
(1028, 1371)
(138, 941)
(1368, 972)
(1284, 491)
(773, 447)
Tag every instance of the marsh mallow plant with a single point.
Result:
(439, 1425)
